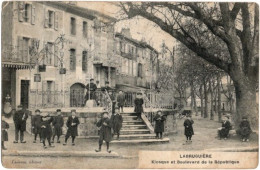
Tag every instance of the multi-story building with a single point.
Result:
(27, 25)
(138, 65)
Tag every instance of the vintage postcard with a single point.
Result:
(129, 85)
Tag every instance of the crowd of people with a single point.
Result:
(48, 127)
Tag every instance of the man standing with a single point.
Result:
(139, 105)
(36, 125)
(120, 100)
(91, 88)
(58, 124)
(20, 118)
(72, 124)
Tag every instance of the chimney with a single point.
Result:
(126, 32)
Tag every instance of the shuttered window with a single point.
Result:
(73, 26)
(85, 29)
(84, 60)
(72, 59)
(140, 70)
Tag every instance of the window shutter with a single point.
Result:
(46, 18)
(20, 48)
(56, 20)
(33, 15)
(21, 9)
(56, 55)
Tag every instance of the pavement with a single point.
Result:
(204, 139)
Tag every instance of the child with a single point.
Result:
(120, 100)
(72, 124)
(105, 131)
(113, 99)
(117, 121)
(224, 130)
(159, 124)
(46, 129)
(244, 129)
(36, 125)
(58, 123)
(5, 127)
(188, 131)
(139, 105)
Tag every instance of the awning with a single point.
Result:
(17, 66)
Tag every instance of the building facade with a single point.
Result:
(50, 51)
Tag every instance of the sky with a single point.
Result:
(140, 28)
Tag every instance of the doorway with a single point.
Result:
(25, 84)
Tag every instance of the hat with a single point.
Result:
(73, 110)
(244, 117)
(37, 110)
(58, 110)
(91, 79)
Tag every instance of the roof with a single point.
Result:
(136, 42)
(80, 11)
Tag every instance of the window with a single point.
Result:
(134, 68)
(49, 91)
(85, 29)
(84, 60)
(72, 59)
(49, 58)
(27, 12)
(25, 48)
(140, 70)
(51, 19)
(73, 26)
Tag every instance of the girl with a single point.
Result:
(188, 129)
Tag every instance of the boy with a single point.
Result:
(46, 130)
(58, 123)
(5, 127)
(188, 129)
(72, 124)
(159, 124)
(224, 130)
(105, 131)
(36, 125)
(244, 129)
(120, 100)
(117, 121)
(139, 105)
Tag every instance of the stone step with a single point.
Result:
(132, 122)
(134, 131)
(128, 114)
(134, 127)
(129, 117)
(164, 140)
(135, 136)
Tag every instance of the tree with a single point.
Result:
(235, 25)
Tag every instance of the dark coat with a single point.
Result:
(226, 126)
(36, 124)
(72, 129)
(159, 123)
(4, 126)
(244, 128)
(105, 130)
(188, 131)
(58, 123)
(91, 87)
(46, 130)
(106, 88)
(117, 121)
(139, 105)
(120, 100)
(20, 118)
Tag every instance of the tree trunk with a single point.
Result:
(211, 101)
(246, 102)
(206, 99)
(219, 98)
(201, 102)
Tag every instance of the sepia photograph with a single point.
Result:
(129, 85)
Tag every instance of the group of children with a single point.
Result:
(223, 132)
(41, 125)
